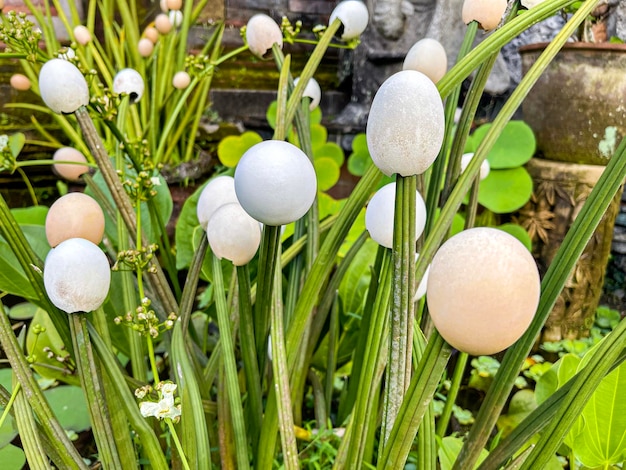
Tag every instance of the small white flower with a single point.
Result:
(155, 181)
(165, 408)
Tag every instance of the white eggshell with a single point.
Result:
(176, 18)
(466, 158)
(77, 276)
(423, 285)
(262, 32)
(275, 182)
(129, 81)
(488, 13)
(483, 290)
(233, 234)
(380, 213)
(406, 124)
(216, 193)
(313, 91)
(62, 87)
(67, 170)
(354, 18)
(429, 57)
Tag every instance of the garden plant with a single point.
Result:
(282, 328)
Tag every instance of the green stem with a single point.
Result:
(455, 386)
(230, 367)
(94, 394)
(179, 448)
(7, 408)
(151, 357)
(403, 308)
(281, 379)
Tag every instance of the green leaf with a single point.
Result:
(34, 215)
(12, 278)
(38, 345)
(514, 147)
(602, 438)
(185, 227)
(518, 232)
(16, 143)
(560, 372)
(12, 458)
(23, 311)
(319, 135)
(327, 172)
(359, 162)
(8, 431)
(231, 148)
(449, 448)
(522, 403)
(505, 191)
(69, 406)
(354, 285)
(329, 150)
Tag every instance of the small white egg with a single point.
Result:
(62, 87)
(130, 82)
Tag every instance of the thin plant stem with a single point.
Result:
(7, 408)
(455, 386)
(179, 448)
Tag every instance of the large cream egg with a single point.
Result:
(74, 215)
(429, 57)
(405, 124)
(69, 171)
(483, 290)
(488, 13)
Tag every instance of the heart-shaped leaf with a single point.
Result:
(514, 146)
(327, 172)
(231, 148)
(505, 191)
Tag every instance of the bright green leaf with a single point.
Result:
(34, 215)
(231, 148)
(359, 163)
(354, 285)
(449, 448)
(327, 172)
(12, 458)
(518, 232)
(8, 431)
(560, 372)
(329, 150)
(505, 191)
(69, 405)
(514, 147)
(319, 135)
(16, 143)
(23, 311)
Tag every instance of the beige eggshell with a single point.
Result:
(145, 47)
(74, 215)
(77, 276)
(181, 80)
(174, 4)
(488, 13)
(483, 290)
(429, 57)
(406, 124)
(20, 82)
(162, 23)
(262, 32)
(66, 170)
(151, 33)
(233, 234)
(82, 35)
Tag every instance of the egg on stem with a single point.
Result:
(74, 215)
(62, 86)
(20, 82)
(233, 234)
(262, 32)
(69, 171)
(405, 125)
(312, 91)
(483, 290)
(354, 18)
(130, 82)
(217, 192)
(487, 13)
(429, 57)
(275, 182)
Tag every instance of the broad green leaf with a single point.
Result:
(12, 458)
(449, 448)
(319, 135)
(560, 372)
(354, 285)
(16, 143)
(358, 163)
(518, 232)
(329, 150)
(505, 191)
(327, 205)
(185, 226)
(48, 341)
(8, 431)
(602, 439)
(34, 215)
(69, 406)
(514, 147)
(327, 173)
(522, 403)
(23, 311)
(231, 148)
(12, 278)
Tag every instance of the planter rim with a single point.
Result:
(579, 46)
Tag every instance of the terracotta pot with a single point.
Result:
(577, 109)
